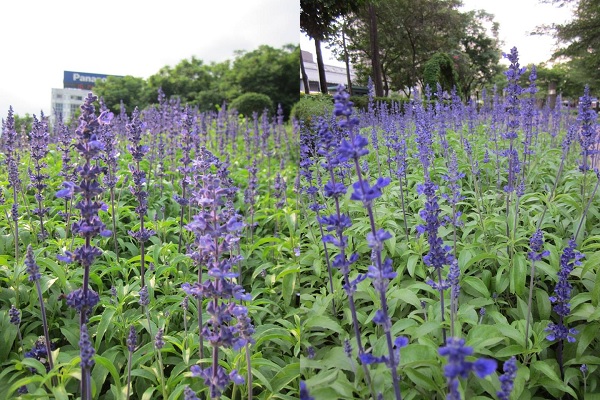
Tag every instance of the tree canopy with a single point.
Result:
(579, 42)
(410, 32)
(265, 70)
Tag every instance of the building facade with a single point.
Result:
(334, 75)
(65, 102)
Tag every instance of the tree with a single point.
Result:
(129, 89)
(374, 42)
(478, 55)
(185, 80)
(440, 69)
(409, 33)
(578, 39)
(316, 20)
(270, 71)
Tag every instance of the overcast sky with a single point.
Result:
(39, 39)
(517, 19)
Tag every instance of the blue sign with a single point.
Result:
(82, 80)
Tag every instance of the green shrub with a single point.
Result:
(251, 102)
(208, 100)
(311, 106)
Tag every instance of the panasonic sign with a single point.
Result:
(82, 80)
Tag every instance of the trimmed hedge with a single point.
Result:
(311, 106)
(251, 102)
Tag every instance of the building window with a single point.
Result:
(58, 109)
(74, 108)
(59, 96)
(314, 86)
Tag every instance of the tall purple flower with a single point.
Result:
(562, 294)
(9, 138)
(15, 315)
(458, 366)
(138, 151)
(381, 271)
(216, 227)
(188, 131)
(89, 225)
(507, 379)
(588, 136)
(39, 139)
(304, 394)
(512, 103)
(34, 276)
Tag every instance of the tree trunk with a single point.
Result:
(321, 66)
(346, 60)
(375, 63)
(304, 76)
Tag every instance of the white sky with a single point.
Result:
(517, 18)
(42, 38)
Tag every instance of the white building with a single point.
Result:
(76, 86)
(66, 102)
(333, 74)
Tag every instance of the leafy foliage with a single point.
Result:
(164, 345)
(265, 70)
(251, 102)
(440, 69)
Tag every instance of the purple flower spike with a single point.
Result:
(86, 350)
(32, 268)
(132, 339)
(507, 379)
(15, 315)
(304, 394)
(457, 367)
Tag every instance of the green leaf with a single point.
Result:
(411, 264)
(106, 363)
(510, 351)
(544, 306)
(518, 274)
(477, 258)
(475, 286)
(105, 321)
(421, 380)
(586, 336)
(321, 322)
(285, 376)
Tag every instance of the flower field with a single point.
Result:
(451, 250)
(153, 253)
(426, 250)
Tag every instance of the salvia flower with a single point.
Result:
(86, 349)
(458, 367)
(144, 298)
(536, 245)
(89, 225)
(304, 394)
(32, 268)
(40, 352)
(380, 272)
(216, 227)
(512, 103)
(562, 294)
(188, 394)
(588, 135)
(132, 339)
(159, 342)
(216, 378)
(507, 379)
(15, 315)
